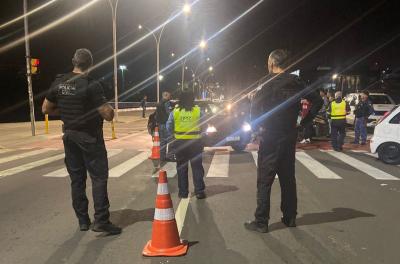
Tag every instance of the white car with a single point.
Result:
(386, 139)
(381, 103)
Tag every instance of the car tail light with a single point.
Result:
(383, 117)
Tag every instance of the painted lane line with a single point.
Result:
(5, 150)
(219, 167)
(128, 165)
(61, 173)
(30, 165)
(23, 155)
(319, 170)
(169, 168)
(180, 214)
(255, 157)
(362, 166)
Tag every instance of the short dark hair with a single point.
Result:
(186, 100)
(365, 92)
(82, 59)
(280, 58)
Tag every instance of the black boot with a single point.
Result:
(254, 226)
(108, 228)
(289, 221)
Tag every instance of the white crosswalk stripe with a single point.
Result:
(5, 150)
(219, 167)
(60, 173)
(128, 165)
(169, 168)
(24, 155)
(319, 170)
(362, 166)
(30, 165)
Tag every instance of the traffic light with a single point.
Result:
(35, 66)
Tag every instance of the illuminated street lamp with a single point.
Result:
(186, 10)
(160, 77)
(203, 44)
(210, 69)
(334, 77)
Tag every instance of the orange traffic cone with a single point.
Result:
(155, 151)
(165, 239)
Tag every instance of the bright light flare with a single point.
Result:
(27, 14)
(210, 69)
(187, 9)
(160, 77)
(203, 44)
(140, 27)
(334, 77)
(123, 67)
(49, 26)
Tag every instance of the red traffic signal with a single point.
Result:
(35, 66)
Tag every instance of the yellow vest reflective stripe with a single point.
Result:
(187, 123)
(338, 110)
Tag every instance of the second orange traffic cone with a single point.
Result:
(165, 239)
(155, 151)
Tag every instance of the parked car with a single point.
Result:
(386, 138)
(381, 103)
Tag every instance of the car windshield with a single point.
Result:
(379, 99)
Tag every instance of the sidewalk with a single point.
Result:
(131, 132)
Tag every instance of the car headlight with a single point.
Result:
(246, 127)
(229, 107)
(211, 129)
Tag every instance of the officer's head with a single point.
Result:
(166, 95)
(338, 95)
(364, 96)
(186, 100)
(278, 61)
(82, 60)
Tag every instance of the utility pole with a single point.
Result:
(28, 70)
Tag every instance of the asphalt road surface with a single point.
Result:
(348, 210)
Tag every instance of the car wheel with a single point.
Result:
(239, 147)
(389, 153)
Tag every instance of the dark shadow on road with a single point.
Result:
(127, 217)
(211, 248)
(336, 215)
(219, 189)
(65, 250)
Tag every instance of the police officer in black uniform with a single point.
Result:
(81, 103)
(275, 109)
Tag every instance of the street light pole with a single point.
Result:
(114, 27)
(183, 72)
(28, 70)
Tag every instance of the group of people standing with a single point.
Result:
(334, 110)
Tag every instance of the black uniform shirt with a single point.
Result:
(78, 97)
(272, 107)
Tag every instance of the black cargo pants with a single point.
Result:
(85, 152)
(276, 156)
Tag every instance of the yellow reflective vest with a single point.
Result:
(338, 110)
(187, 123)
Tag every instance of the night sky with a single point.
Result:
(369, 35)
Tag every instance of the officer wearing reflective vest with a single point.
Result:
(337, 111)
(185, 124)
(80, 102)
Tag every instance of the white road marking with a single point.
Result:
(319, 170)
(180, 214)
(219, 167)
(365, 153)
(5, 150)
(30, 165)
(362, 166)
(169, 168)
(255, 157)
(64, 173)
(23, 155)
(128, 165)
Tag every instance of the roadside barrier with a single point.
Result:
(165, 240)
(46, 124)
(113, 130)
(155, 151)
